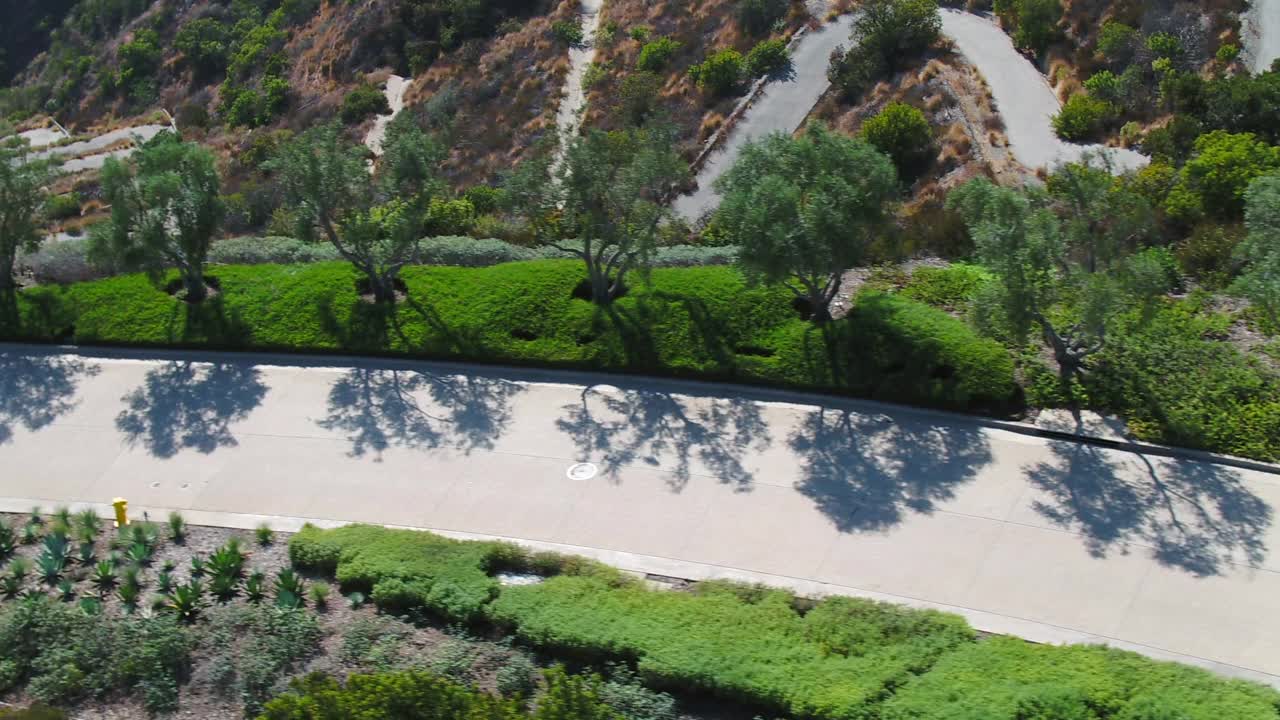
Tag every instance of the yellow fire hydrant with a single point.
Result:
(122, 511)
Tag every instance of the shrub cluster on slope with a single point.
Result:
(696, 322)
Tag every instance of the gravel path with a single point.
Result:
(1022, 95)
(574, 100)
(395, 91)
(103, 141)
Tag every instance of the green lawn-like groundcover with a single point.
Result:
(835, 659)
(697, 322)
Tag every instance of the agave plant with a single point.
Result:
(8, 542)
(177, 527)
(197, 566)
(62, 514)
(58, 546)
(87, 525)
(87, 553)
(255, 587)
(132, 575)
(290, 589)
(10, 587)
(164, 582)
(224, 587)
(140, 554)
(141, 534)
(104, 577)
(31, 533)
(36, 516)
(264, 534)
(129, 596)
(49, 567)
(226, 560)
(19, 568)
(67, 591)
(186, 601)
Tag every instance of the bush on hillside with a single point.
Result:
(1082, 118)
(364, 101)
(903, 133)
(758, 17)
(655, 56)
(721, 73)
(768, 58)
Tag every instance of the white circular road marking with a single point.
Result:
(582, 471)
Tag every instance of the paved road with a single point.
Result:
(1022, 95)
(781, 107)
(1049, 539)
(1262, 34)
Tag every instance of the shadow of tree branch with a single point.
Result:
(186, 405)
(36, 388)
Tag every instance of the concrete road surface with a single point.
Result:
(781, 107)
(1053, 540)
(1261, 34)
(1022, 95)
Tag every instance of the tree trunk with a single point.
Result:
(193, 282)
(1068, 365)
(383, 287)
(7, 281)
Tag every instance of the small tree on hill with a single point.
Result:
(1047, 247)
(22, 197)
(902, 132)
(805, 209)
(375, 223)
(165, 210)
(603, 202)
(1261, 248)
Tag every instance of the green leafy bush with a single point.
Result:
(1005, 678)
(402, 569)
(568, 32)
(767, 58)
(721, 73)
(1117, 42)
(655, 56)
(758, 17)
(950, 288)
(901, 132)
(364, 101)
(832, 662)
(61, 207)
(1082, 117)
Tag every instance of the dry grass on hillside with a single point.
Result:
(701, 27)
(508, 91)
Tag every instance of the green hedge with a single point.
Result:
(695, 322)
(1008, 679)
(835, 661)
(422, 696)
(402, 569)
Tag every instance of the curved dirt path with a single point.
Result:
(782, 105)
(1050, 539)
(97, 144)
(1261, 34)
(574, 99)
(395, 91)
(1022, 95)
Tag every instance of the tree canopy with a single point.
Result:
(805, 209)
(22, 196)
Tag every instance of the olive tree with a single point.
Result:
(373, 221)
(165, 210)
(1260, 281)
(603, 201)
(22, 197)
(804, 209)
(1053, 248)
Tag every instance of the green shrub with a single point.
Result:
(950, 287)
(402, 569)
(903, 349)
(832, 662)
(655, 56)
(1117, 42)
(257, 646)
(61, 207)
(1005, 678)
(901, 132)
(1227, 53)
(271, 249)
(450, 217)
(721, 73)
(568, 32)
(364, 101)
(1164, 45)
(1082, 117)
(767, 58)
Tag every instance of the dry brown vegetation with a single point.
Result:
(701, 27)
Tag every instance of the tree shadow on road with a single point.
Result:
(379, 408)
(617, 428)
(1194, 516)
(185, 405)
(866, 472)
(36, 388)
